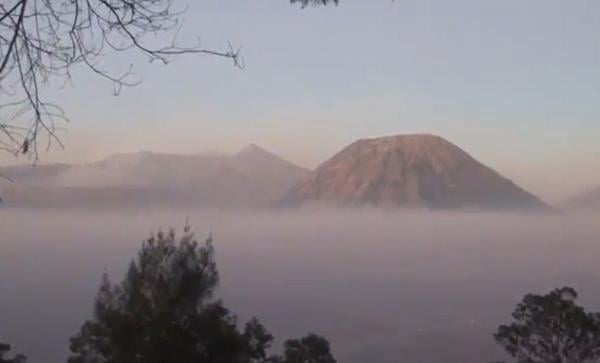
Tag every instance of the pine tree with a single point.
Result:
(165, 311)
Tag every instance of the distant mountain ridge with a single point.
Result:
(409, 171)
(404, 171)
(251, 177)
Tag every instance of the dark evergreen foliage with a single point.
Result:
(551, 328)
(4, 349)
(310, 349)
(164, 311)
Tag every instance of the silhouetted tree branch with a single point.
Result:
(41, 41)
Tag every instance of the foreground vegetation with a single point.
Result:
(165, 309)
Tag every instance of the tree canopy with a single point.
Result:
(551, 328)
(310, 349)
(4, 349)
(165, 311)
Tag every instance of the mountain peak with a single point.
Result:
(252, 148)
(413, 143)
(406, 137)
(417, 170)
(252, 178)
(255, 152)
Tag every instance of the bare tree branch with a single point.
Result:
(42, 40)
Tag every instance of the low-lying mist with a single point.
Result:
(382, 287)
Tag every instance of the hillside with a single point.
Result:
(252, 177)
(409, 171)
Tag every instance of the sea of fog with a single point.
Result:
(382, 287)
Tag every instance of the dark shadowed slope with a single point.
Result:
(252, 177)
(420, 171)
